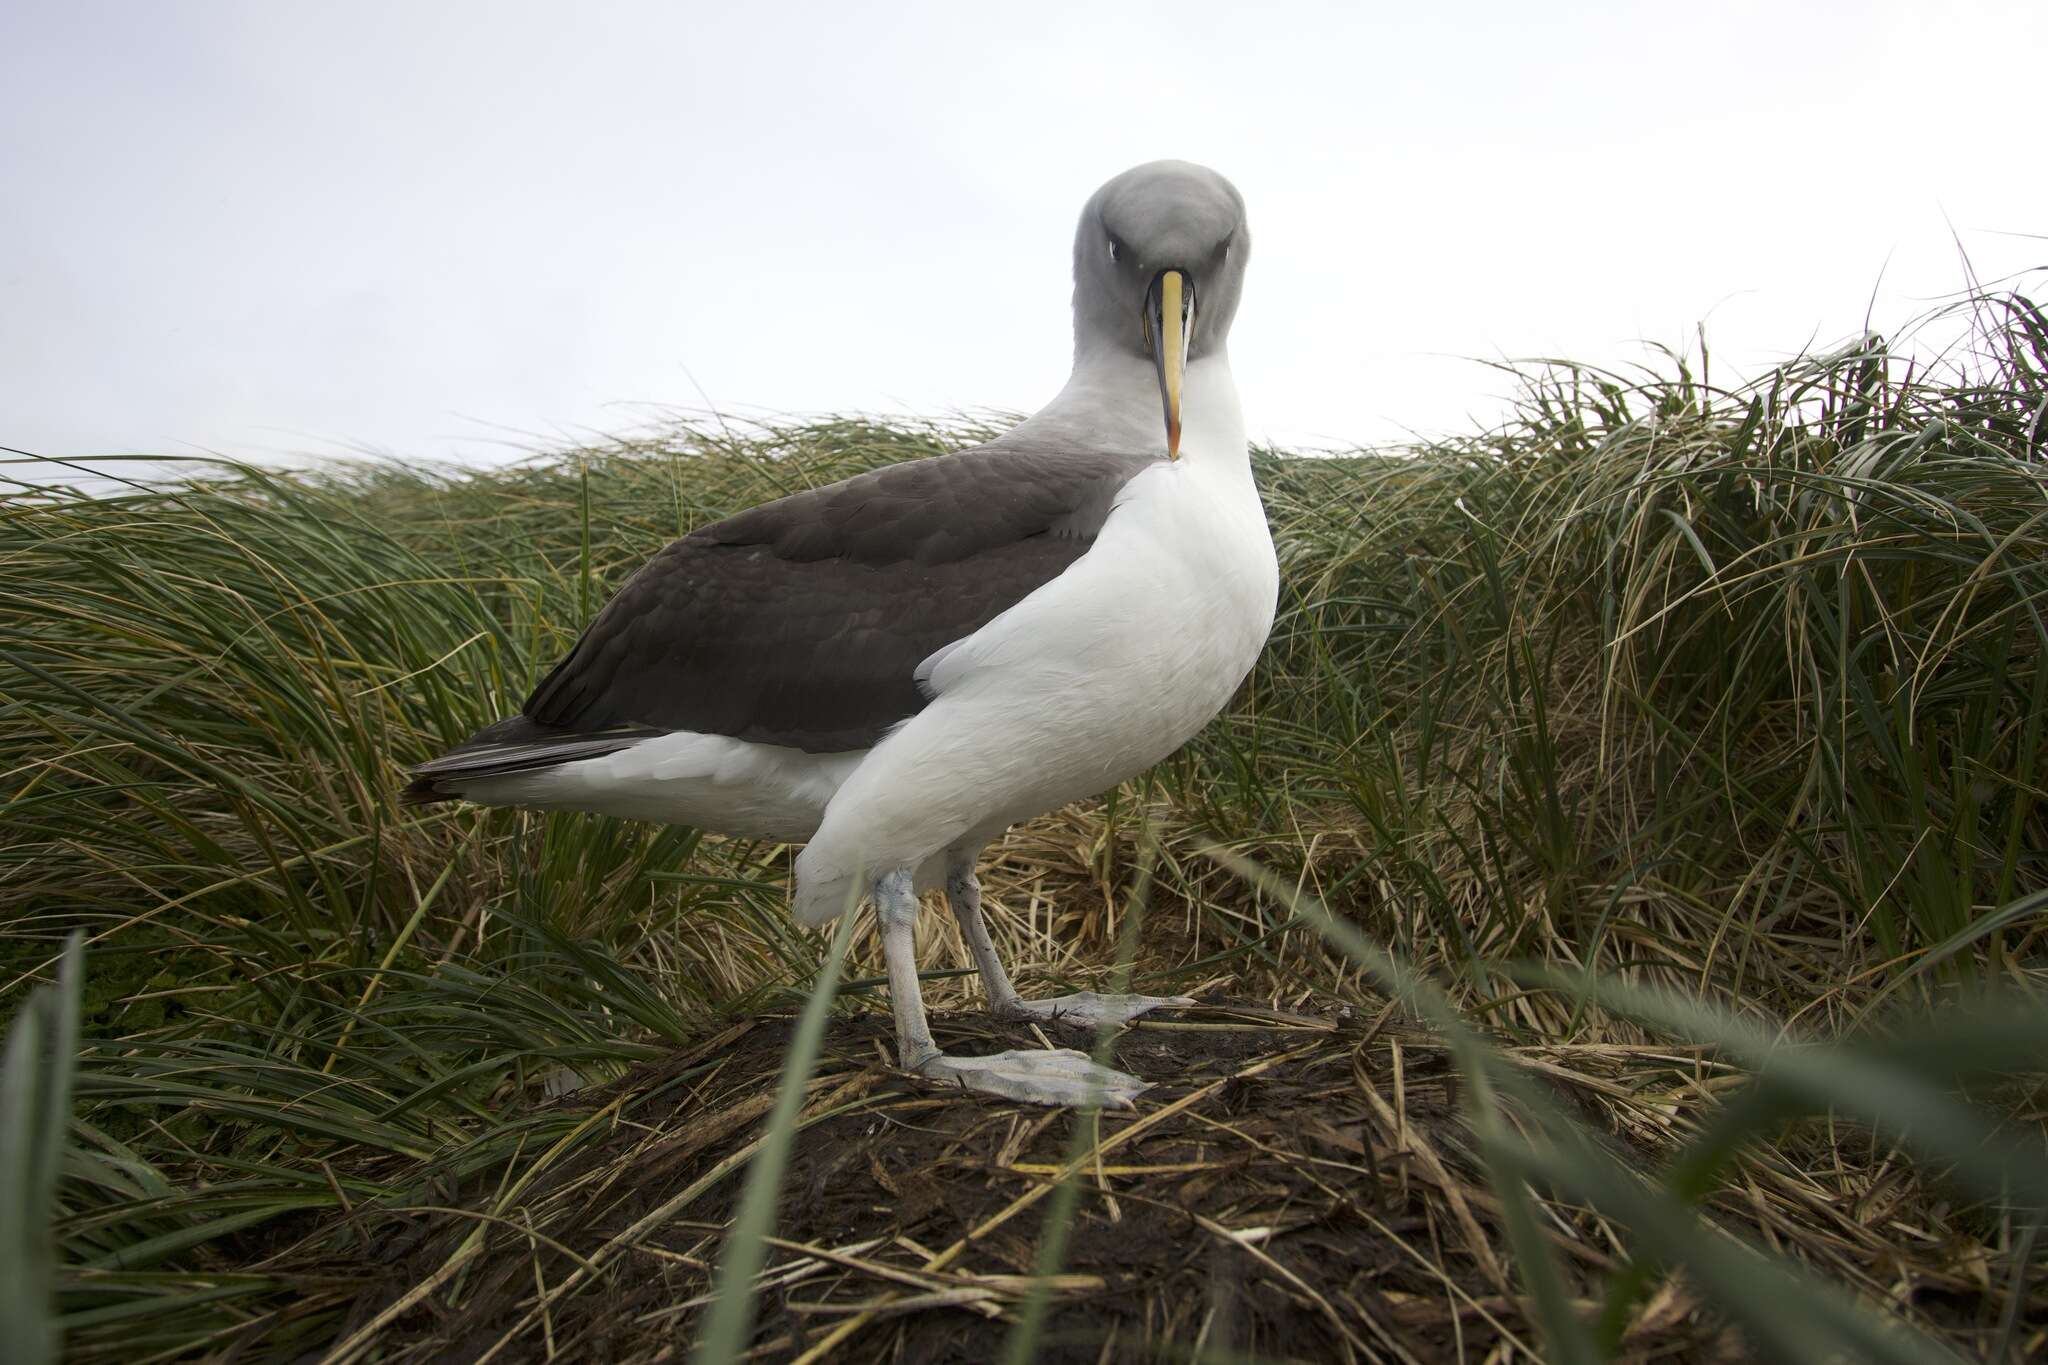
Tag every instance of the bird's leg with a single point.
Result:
(1085, 1010)
(896, 909)
(963, 893)
(1057, 1077)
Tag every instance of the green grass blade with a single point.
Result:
(730, 1318)
(36, 1068)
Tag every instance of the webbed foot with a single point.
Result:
(1089, 1011)
(1060, 1076)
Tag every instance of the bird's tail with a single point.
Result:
(514, 745)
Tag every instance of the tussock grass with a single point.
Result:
(1685, 743)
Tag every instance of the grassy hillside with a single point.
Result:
(1684, 745)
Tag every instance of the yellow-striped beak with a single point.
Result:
(1169, 317)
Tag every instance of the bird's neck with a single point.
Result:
(1111, 402)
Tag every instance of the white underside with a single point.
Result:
(1091, 679)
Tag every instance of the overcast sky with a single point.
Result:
(426, 229)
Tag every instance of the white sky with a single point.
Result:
(417, 228)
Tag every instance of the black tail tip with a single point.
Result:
(421, 791)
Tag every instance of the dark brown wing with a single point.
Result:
(802, 621)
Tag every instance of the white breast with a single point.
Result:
(1093, 678)
(1120, 660)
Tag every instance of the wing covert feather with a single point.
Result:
(802, 621)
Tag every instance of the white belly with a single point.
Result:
(1093, 678)
(1121, 660)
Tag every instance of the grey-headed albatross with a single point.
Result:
(898, 667)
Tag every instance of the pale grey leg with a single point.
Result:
(1085, 1010)
(896, 911)
(1058, 1077)
(963, 893)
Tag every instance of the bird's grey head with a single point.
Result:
(1158, 266)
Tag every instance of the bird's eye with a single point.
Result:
(1116, 253)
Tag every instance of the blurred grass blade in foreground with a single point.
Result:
(35, 1127)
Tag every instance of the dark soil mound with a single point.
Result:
(1291, 1188)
